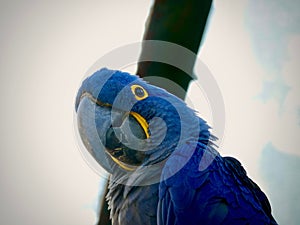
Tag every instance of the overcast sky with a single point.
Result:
(251, 48)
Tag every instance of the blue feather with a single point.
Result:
(182, 179)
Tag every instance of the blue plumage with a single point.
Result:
(164, 168)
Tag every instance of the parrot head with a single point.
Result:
(127, 123)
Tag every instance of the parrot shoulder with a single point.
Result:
(179, 199)
(202, 187)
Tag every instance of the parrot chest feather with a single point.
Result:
(139, 206)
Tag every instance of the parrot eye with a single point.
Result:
(139, 92)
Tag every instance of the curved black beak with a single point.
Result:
(111, 136)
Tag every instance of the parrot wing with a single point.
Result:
(222, 193)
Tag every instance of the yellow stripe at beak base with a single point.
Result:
(142, 122)
(122, 165)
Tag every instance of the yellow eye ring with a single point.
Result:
(139, 92)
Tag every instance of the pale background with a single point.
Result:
(252, 48)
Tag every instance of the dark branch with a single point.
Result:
(181, 22)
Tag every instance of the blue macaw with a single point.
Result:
(161, 157)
